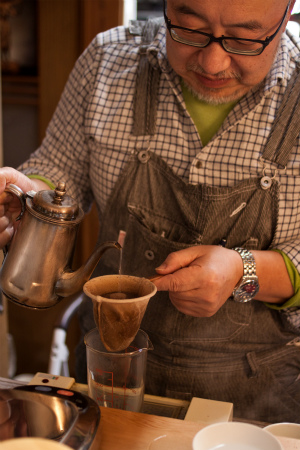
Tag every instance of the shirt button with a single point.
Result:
(198, 165)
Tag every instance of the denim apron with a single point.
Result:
(246, 352)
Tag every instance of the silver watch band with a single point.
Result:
(248, 286)
(248, 261)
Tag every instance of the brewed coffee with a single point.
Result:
(120, 295)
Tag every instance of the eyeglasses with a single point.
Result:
(249, 47)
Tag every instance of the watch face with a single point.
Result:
(246, 291)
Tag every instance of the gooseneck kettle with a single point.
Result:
(36, 268)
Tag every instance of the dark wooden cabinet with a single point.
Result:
(63, 29)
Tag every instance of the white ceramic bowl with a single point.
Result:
(285, 429)
(32, 443)
(235, 436)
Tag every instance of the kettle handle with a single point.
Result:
(13, 189)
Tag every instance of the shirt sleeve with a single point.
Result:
(295, 280)
(64, 152)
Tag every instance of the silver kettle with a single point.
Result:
(36, 268)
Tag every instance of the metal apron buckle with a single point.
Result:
(266, 181)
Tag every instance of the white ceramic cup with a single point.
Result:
(285, 429)
(235, 436)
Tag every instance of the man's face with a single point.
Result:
(211, 73)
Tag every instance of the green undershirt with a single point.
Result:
(208, 119)
(45, 180)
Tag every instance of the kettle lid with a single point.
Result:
(56, 205)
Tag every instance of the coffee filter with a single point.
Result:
(118, 319)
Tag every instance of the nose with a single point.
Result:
(214, 59)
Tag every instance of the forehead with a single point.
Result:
(229, 8)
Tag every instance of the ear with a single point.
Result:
(290, 16)
(291, 6)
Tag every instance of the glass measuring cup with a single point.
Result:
(117, 380)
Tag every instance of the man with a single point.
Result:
(174, 134)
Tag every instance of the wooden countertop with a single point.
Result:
(135, 431)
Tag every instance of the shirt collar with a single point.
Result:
(284, 62)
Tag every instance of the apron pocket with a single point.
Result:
(255, 398)
(283, 370)
(145, 250)
(164, 227)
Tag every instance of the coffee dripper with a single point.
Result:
(119, 305)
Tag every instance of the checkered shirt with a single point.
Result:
(89, 138)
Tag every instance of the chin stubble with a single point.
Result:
(209, 96)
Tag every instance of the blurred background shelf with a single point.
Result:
(43, 40)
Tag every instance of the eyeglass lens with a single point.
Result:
(201, 40)
(232, 45)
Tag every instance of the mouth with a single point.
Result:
(213, 83)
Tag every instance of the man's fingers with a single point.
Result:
(184, 279)
(6, 235)
(179, 259)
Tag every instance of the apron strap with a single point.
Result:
(286, 126)
(147, 83)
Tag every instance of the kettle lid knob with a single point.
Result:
(59, 192)
(55, 205)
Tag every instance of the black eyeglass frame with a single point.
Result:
(222, 40)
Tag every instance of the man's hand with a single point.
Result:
(10, 206)
(200, 279)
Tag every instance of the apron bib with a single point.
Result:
(240, 354)
(233, 355)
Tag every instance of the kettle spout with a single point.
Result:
(72, 282)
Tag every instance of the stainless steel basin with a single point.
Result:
(43, 411)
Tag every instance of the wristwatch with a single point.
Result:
(248, 286)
